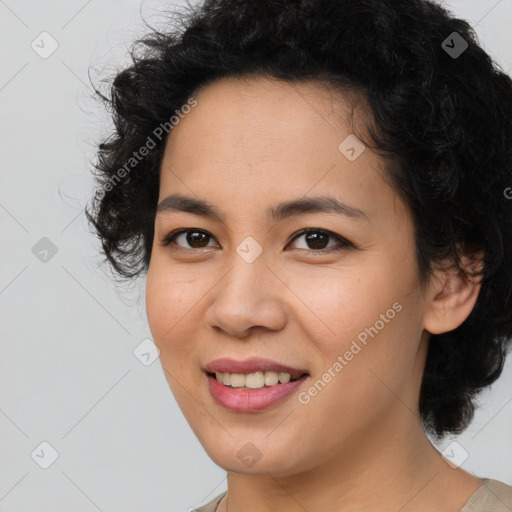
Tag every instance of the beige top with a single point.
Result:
(491, 496)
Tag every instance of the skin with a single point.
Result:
(358, 445)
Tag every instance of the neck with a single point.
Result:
(388, 469)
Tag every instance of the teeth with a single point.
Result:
(271, 378)
(255, 380)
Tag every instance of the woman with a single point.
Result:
(316, 192)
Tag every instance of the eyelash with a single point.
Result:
(343, 243)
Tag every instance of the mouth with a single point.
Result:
(253, 385)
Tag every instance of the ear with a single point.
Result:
(451, 297)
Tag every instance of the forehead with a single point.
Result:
(260, 140)
(264, 106)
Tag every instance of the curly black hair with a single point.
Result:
(441, 116)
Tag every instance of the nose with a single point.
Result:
(249, 295)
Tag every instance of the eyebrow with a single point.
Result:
(300, 206)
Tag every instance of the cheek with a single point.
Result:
(159, 298)
(367, 318)
(166, 314)
(166, 305)
(339, 304)
(173, 310)
(169, 293)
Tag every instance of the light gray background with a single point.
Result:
(68, 375)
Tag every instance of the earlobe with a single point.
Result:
(451, 300)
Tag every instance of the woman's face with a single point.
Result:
(350, 314)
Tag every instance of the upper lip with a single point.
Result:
(251, 365)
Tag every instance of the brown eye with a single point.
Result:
(196, 238)
(318, 239)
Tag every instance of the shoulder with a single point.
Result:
(491, 496)
(211, 506)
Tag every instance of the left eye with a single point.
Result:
(317, 237)
(314, 237)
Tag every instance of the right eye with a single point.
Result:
(194, 237)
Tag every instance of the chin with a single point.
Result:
(251, 458)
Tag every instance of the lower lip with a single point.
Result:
(241, 400)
